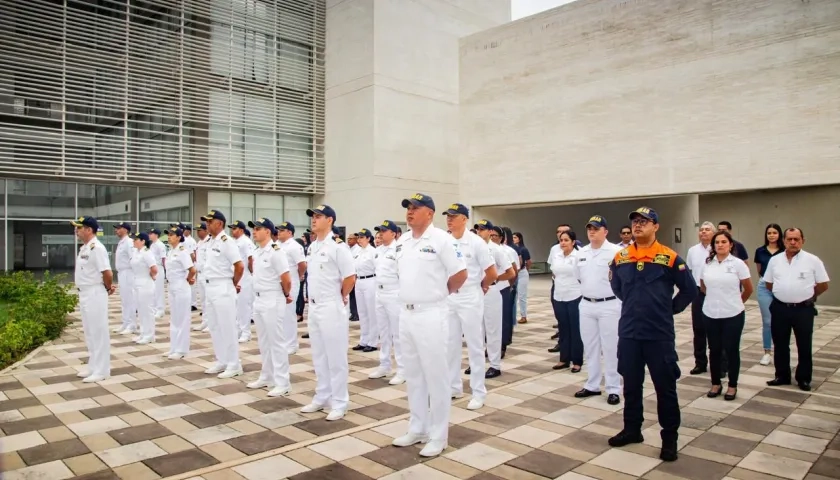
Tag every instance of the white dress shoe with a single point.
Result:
(231, 372)
(765, 359)
(83, 374)
(293, 352)
(397, 380)
(335, 415)
(244, 338)
(146, 340)
(379, 373)
(201, 326)
(456, 396)
(118, 329)
(280, 392)
(410, 439)
(475, 404)
(433, 448)
(259, 383)
(217, 368)
(126, 331)
(175, 356)
(206, 329)
(94, 378)
(312, 408)
(158, 315)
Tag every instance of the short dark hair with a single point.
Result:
(795, 229)
(627, 227)
(724, 222)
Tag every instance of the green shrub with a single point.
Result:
(37, 312)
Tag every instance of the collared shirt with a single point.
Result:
(91, 261)
(552, 252)
(386, 265)
(141, 262)
(190, 244)
(563, 267)
(762, 258)
(513, 254)
(201, 253)
(222, 253)
(328, 263)
(246, 251)
(178, 263)
(794, 281)
(125, 250)
(425, 265)
(625, 245)
(294, 256)
(723, 286)
(363, 260)
(269, 263)
(158, 250)
(502, 261)
(476, 256)
(696, 260)
(593, 270)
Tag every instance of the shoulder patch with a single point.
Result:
(275, 246)
(92, 246)
(224, 238)
(662, 259)
(180, 247)
(681, 267)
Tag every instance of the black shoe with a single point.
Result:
(613, 399)
(805, 386)
(504, 351)
(777, 381)
(555, 336)
(698, 370)
(492, 373)
(669, 451)
(369, 349)
(194, 309)
(713, 394)
(583, 393)
(624, 438)
(555, 326)
(354, 318)
(729, 397)
(359, 347)
(561, 366)
(554, 349)
(300, 318)
(305, 335)
(468, 371)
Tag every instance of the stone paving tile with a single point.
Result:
(156, 417)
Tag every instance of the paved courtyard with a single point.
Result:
(158, 418)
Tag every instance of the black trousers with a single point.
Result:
(660, 356)
(507, 314)
(800, 319)
(568, 321)
(698, 327)
(724, 336)
(300, 302)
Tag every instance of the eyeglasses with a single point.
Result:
(641, 221)
(494, 235)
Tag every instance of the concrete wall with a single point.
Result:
(814, 210)
(615, 98)
(392, 102)
(538, 224)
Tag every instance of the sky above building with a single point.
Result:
(524, 8)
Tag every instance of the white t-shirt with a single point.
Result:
(566, 284)
(696, 260)
(794, 281)
(723, 287)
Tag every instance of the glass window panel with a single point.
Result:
(242, 200)
(41, 200)
(295, 211)
(218, 201)
(109, 202)
(241, 213)
(40, 245)
(270, 206)
(164, 205)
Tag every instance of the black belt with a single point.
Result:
(599, 300)
(806, 303)
(367, 276)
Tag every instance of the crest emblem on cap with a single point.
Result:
(385, 223)
(454, 206)
(644, 210)
(261, 220)
(595, 218)
(320, 207)
(81, 219)
(364, 230)
(418, 196)
(284, 224)
(482, 222)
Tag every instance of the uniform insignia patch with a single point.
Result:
(93, 246)
(624, 253)
(274, 246)
(581, 259)
(224, 238)
(181, 247)
(609, 275)
(662, 259)
(681, 267)
(431, 249)
(399, 248)
(622, 261)
(640, 266)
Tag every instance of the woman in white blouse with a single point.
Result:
(726, 283)
(567, 297)
(180, 273)
(144, 268)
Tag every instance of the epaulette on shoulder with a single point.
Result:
(275, 246)
(180, 247)
(93, 245)
(224, 238)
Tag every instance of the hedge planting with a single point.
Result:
(37, 312)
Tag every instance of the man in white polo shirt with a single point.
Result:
(696, 261)
(796, 279)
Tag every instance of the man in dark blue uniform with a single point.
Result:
(643, 277)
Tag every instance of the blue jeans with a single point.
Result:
(764, 300)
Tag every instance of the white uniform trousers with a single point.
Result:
(221, 320)
(289, 324)
(388, 323)
(424, 334)
(366, 303)
(193, 294)
(93, 303)
(522, 292)
(179, 317)
(245, 305)
(493, 326)
(200, 286)
(466, 318)
(329, 324)
(160, 280)
(269, 310)
(127, 301)
(144, 295)
(599, 333)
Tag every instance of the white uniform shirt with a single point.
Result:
(425, 265)
(178, 263)
(294, 256)
(363, 260)
(222, 253)
(794, 281)
(190, 244)
(125, 250)
(552, 252)
(90, 263)
(696, 260)
(246, 250)
(475, 253)
(386, 265)
(158, 250)
(502, 261)
(723, 287)
(269, 263)
(141, 262)
(592, 268)
(201, 253)
(328, 264)
(354, 249)
(514, 257)
(566, 284)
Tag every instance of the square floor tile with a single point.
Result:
(210, 419)
(30, 424)
(50, 452)
(177, 463)
(101, 425)
(396, 458)
(56, 470)
(480, 456)
(21, 441)
(322, 427)
(419, 472)
(343, 448)
(271, 468)
(334, 471)
(217, 433)
(796, 442)
(575, 416)
(533, 437)
(724, 444)
(775, 465)
(126, 436)
(136, 452)
(693, 468)
(544, 463)
(259, 442)
(625, 462)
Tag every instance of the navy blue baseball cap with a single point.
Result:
(419, 200)
(247, 232)
(458, 209)
(484, 224)
(324, 210)
(178, 225)
(238, 224)
(264, 223)
(286, 226)
(124, 225)
(387, 225)
(597, 221)
(214, 215)
(155, 231)
(175, 231)
(140, 236)
(86, 221)
(187, 226)
(202, 226)
(645, 212)
(365, 233)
